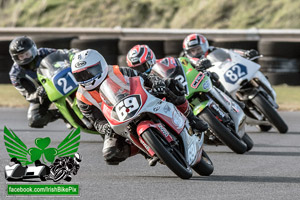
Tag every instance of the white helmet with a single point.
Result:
(89, 68)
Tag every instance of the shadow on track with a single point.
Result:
(270, 153)
(254, 179)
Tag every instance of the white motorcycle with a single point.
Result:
(243, 80)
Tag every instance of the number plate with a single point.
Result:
(64, 81)
(127, 108)
(234, 73)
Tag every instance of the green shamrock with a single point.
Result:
(42, 150)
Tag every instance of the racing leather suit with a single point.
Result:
(26, 82)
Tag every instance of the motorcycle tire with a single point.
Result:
(223, 133)
(68, 178)
(205, 167)
(264, 128)
(249, 142)
(270, 112)
(59, 174)
(170, 156)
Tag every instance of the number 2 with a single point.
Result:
(64, 83)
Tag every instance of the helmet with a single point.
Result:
(77, 157)
(141, 58)
(89, 68)
(195, 45)
(22, 50)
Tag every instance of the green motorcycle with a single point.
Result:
(226, 118)
(54, 73)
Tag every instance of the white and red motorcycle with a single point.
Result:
(155, 126)
(243, 80)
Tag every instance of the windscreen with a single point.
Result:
(218, 55)
(53, 63)
(113, 91)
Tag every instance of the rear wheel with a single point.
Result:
(205, 167)
(264, 128)
(223, 133)
(170, 156)
(269, 112)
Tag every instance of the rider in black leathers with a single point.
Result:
(23, 76)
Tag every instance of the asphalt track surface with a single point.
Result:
(271, 170)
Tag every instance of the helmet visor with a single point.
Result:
(25, 57)
(145, 67)
(88, 74)
(195, 52)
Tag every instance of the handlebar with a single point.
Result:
(256, 57)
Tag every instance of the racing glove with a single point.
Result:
(203, 64)
(251, 53)
(41, 93)
(158, 86)
(175, 86)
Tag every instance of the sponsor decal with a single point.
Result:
(163, 130)
(184, 62)
(177, 118)
(206, 84)
(197, 80)
(157, 106)
(18, 48)
(167, 109)
(145, 145)
(80, 64)
(217, 108)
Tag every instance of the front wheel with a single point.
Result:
(269, 112)
(59, 174)
(223, 133)
(170, 156)
(205, 167)
(246, 138)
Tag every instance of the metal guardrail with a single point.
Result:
(118, 32)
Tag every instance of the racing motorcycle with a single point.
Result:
(155, 126)
(243, 80)
(54, 73)
(225, 117)
(63, 168)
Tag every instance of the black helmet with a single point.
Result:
(22, 50)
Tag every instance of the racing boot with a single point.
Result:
(196, 123)
(116, 149)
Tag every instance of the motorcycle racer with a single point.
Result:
(142, 59)
(196, 48)
(90, 69)
(23, 76)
